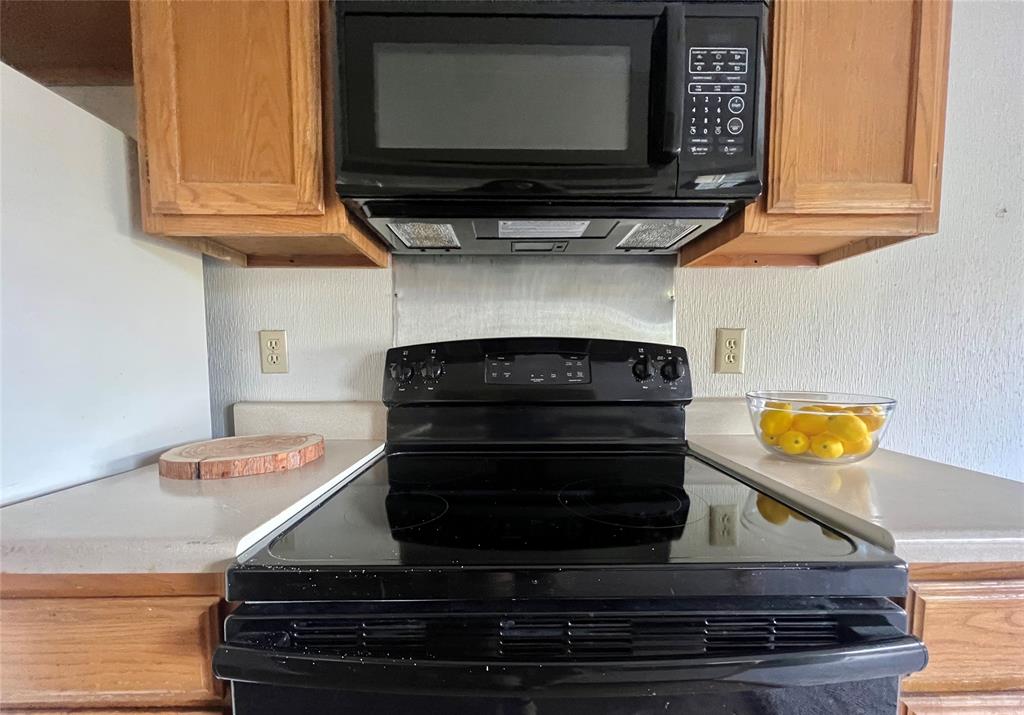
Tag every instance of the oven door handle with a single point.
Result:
(863, 661)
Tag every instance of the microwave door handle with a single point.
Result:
(672, 91)
(863, 661)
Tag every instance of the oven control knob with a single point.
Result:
(642, 368)
(400, 372)
(432, 369)
(672, 369)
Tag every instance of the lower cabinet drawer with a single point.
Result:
(109, 652)
(974, 632)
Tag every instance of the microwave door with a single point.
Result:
(557, 104)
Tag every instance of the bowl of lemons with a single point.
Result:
(823, 427)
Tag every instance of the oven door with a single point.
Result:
(733, 655)
(507, 104)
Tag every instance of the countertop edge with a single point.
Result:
(296, 508)
(866, 530)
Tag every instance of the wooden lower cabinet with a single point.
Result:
(971, 619)
(61, 651)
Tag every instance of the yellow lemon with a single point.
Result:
(793, 442)
(775, 422)
(772, 440)
(847, 427)
(871, 415)
(779, 405)
(811, 421)
(859, 447)
(771, 510)
(827, 446)
(797, 515)
(829, 408)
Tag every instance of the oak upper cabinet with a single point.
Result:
(236, 150)
(855, 135)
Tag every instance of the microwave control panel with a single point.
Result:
(720, 99)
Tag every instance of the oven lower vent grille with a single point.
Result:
(556, 637)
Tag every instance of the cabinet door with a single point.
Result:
(109, 652)
(974, 632)
(858, 106)
(230, 98)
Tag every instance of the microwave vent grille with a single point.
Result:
(656, 236)
(419, 234)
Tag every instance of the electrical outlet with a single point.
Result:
(722, 525)
(273, 351)
(730, 344)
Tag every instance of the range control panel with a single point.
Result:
(720, 101)
(536, 370)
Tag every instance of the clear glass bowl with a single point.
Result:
(821, 427)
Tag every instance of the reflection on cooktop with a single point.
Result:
(550, 509)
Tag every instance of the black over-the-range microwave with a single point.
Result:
(548, 126)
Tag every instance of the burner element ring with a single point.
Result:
(634, 505)
(408, 510)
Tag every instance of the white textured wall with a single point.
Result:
(338, 323)
(937, 322)
(104, 341)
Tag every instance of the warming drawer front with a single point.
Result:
(567, 651)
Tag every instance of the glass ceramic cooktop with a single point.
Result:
(479, 509)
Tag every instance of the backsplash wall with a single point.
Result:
(340, 322)
(447, 298)
(338, 325)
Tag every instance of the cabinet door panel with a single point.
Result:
(974, 632)
(230, 112)
(109, 652)
(858, 102)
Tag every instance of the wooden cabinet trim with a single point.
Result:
(976, 571)
(917, 192)
(118, 711)
(966, 704)
(153, 24)
(60, 585)
(110, 652)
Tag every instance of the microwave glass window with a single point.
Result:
(494, 96)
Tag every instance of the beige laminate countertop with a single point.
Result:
(926, 512)
(137, 522)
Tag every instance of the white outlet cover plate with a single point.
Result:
(273, 351)
(730, 346)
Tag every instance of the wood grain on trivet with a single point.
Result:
(241, 456)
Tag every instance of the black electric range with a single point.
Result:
(536, 537)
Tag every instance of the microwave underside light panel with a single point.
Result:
(412, 232)
(546, 237)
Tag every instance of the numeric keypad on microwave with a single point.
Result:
(718, 88)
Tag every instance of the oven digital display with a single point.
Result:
(536, 369)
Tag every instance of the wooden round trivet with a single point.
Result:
(241, 456)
